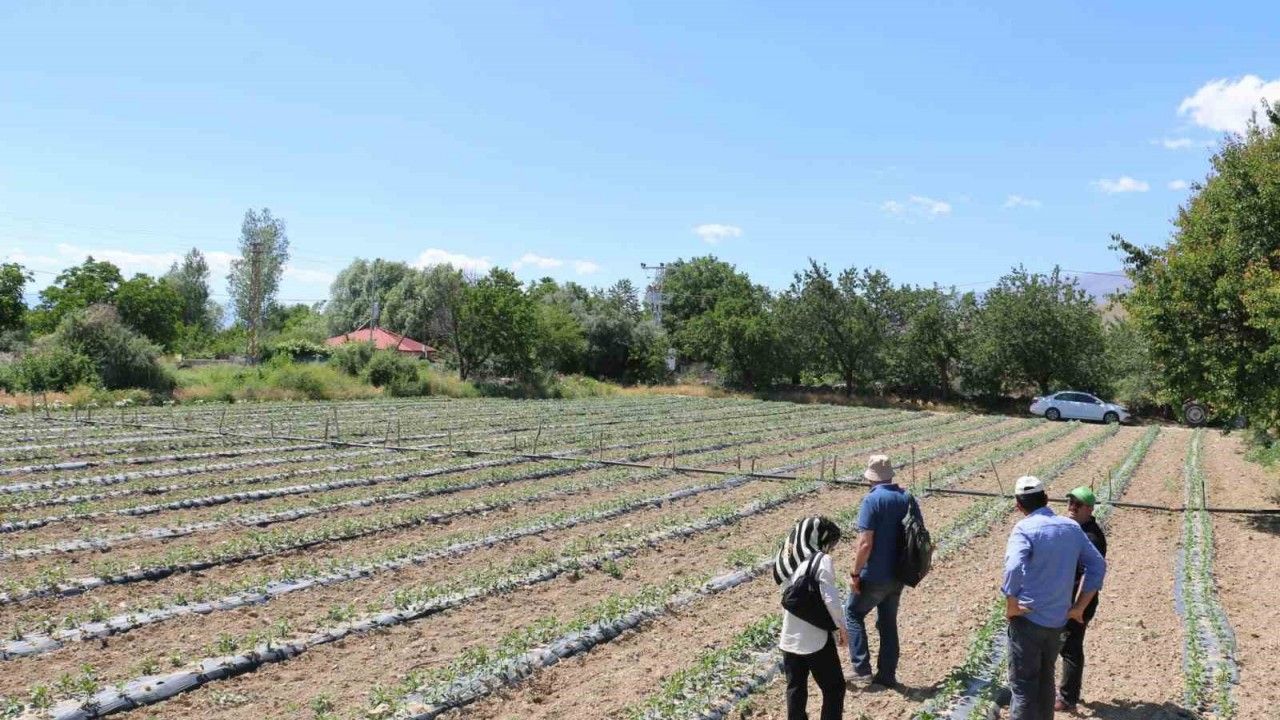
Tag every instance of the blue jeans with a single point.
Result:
(882, 597)
(1033, 658)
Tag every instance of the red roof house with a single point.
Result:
(384, 339)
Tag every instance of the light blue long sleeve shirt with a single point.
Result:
(1040, 564)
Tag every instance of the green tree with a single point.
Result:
(1135, 379)
(76, 288)
(1036, 330)
(747, 339)
(560, 341)
(488, 323)
(691, 290)
(927, 327)
(190, 278)
(262, 236)
(1209, 301)
(13, 280)
(358, 285)
(151, 307)
(845, 317)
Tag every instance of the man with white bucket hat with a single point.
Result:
(873, 583)
(1040, 564)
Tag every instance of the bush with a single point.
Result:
(279, 379)
(386, 368)
(299, 349)
(53, 368)
(351, 358)
(123, 358)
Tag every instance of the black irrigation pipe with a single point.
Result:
(678, 468)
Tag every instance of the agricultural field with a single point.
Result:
(603, 558)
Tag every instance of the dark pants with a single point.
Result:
(882, 597)
(1033, 657)
(1072, 662)
(824, 665)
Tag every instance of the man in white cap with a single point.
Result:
(1040, 564)
(873, 583)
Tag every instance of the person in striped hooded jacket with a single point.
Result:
(807, 649)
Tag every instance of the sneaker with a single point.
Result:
(887, 683)
(859, 679)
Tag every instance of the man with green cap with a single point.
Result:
(1080, 504)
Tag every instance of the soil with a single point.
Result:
(1247, 570)
(278, 686)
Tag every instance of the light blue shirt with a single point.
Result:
(1040, 564)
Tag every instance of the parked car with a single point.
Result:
(1072, 405)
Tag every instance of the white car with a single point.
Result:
(1071, 405)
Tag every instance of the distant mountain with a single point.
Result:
(1102, 285)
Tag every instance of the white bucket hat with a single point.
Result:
(879, 469)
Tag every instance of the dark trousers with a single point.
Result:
(824, 665)
(883, 597)
(1033, 657)
(1072, 662)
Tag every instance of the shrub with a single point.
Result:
(299, 349)
(385, 368)
(53, 368)
(351, 357)
(123, 358)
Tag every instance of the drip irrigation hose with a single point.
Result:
(650, 466)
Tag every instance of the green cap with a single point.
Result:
(1084, 494)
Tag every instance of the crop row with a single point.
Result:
(336, 501)
(196, 500)
(147, 483)
(410, 554)
(552, 439)
(1209, 667)
(968, 690)
(428, 695)
(720, 679)
(410, 604)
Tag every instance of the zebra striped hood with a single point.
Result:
(803, 541)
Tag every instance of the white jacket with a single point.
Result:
(799, 637)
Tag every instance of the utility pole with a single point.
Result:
(653, 298)
(255, 296)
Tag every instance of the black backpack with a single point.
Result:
(915, 549)
(803, 598)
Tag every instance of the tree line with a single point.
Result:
(1200, 321)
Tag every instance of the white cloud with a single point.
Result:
(1226, 105)
(1014, 201)
(1122, 184)
(931, 206)
(715, 232)
(541, 262)
(537, 261)
(1179, 185)
(917, 205)
(436, 256)
(130, 262)
(1181, 143)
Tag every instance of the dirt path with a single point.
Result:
(1136, 616)
(937, 619)
(1247, 570)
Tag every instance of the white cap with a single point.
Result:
(1027, 484)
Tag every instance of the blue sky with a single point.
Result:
(941, 142)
